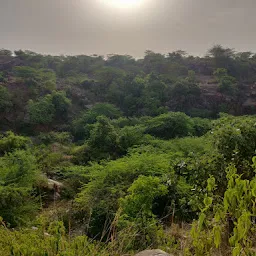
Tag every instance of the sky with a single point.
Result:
(72, 27)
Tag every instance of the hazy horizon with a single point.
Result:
(93, 27)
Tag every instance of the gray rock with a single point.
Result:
(153, 253)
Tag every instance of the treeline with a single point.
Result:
(151, 86)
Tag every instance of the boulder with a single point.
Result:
(153, 253)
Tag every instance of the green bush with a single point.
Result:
(50, 108)
(49, 240)
(18, 174)
(38, 80)
(10, 142)
(42, 111)
(169, 126)
(53, 137)
(99, 199)
(5, 99)
(82, 125)
(235, 139)
(136, 210)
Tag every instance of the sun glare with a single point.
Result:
(124, 4)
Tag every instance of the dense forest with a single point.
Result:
(108, 156)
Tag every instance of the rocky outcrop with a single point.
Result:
(153, 253)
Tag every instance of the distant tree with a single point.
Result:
(227, 84)
(177, 56)
(132, 101)
(5, 99)
(171, 125)
(120, 61)
(82, 125)
(154, 96)
(37, 79)
(32, 59)
(185, 93)
(52, 107)
(222, 57)
(41, 111)
(4, 52)
(107, 75)
(71, 65)
(105, 109)
(153, 62)
(61, 104)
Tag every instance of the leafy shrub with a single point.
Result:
(171, 125)
(53, 137)
(42, 111)
(17, 205)
(50, 108)
(227, 84)
(18, 173)
(230, 216)
(136, 210)
(37, 79)
(5, 99)
(53, 242)
(130, 136)
(82, 125)
(61, 104)
(201, 126)
(99, 199)
(10, 142)
(235, 139)
(104, 138)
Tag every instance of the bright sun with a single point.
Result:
(124, 4)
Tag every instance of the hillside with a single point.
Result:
(113, 156)
(150, 86)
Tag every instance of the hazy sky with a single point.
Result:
(95, 26)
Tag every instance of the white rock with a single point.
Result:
(153, 253)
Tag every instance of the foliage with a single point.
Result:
(105, 165)
(232, 215)
(103, 139)
(136, 210)
(171, 125)
(141, 195)
(82, 125)
(18, 172)
(61, 104)
(51, 107)
(18, 169)
(201, 126)
(53, 242)
(10, 142)
(5, 99)
(37, 79)
(235, 140)
(99, 198)
(52, 137)
(42, 111)
(227, 84)
(186, 92)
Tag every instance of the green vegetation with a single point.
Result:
(108, 157)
